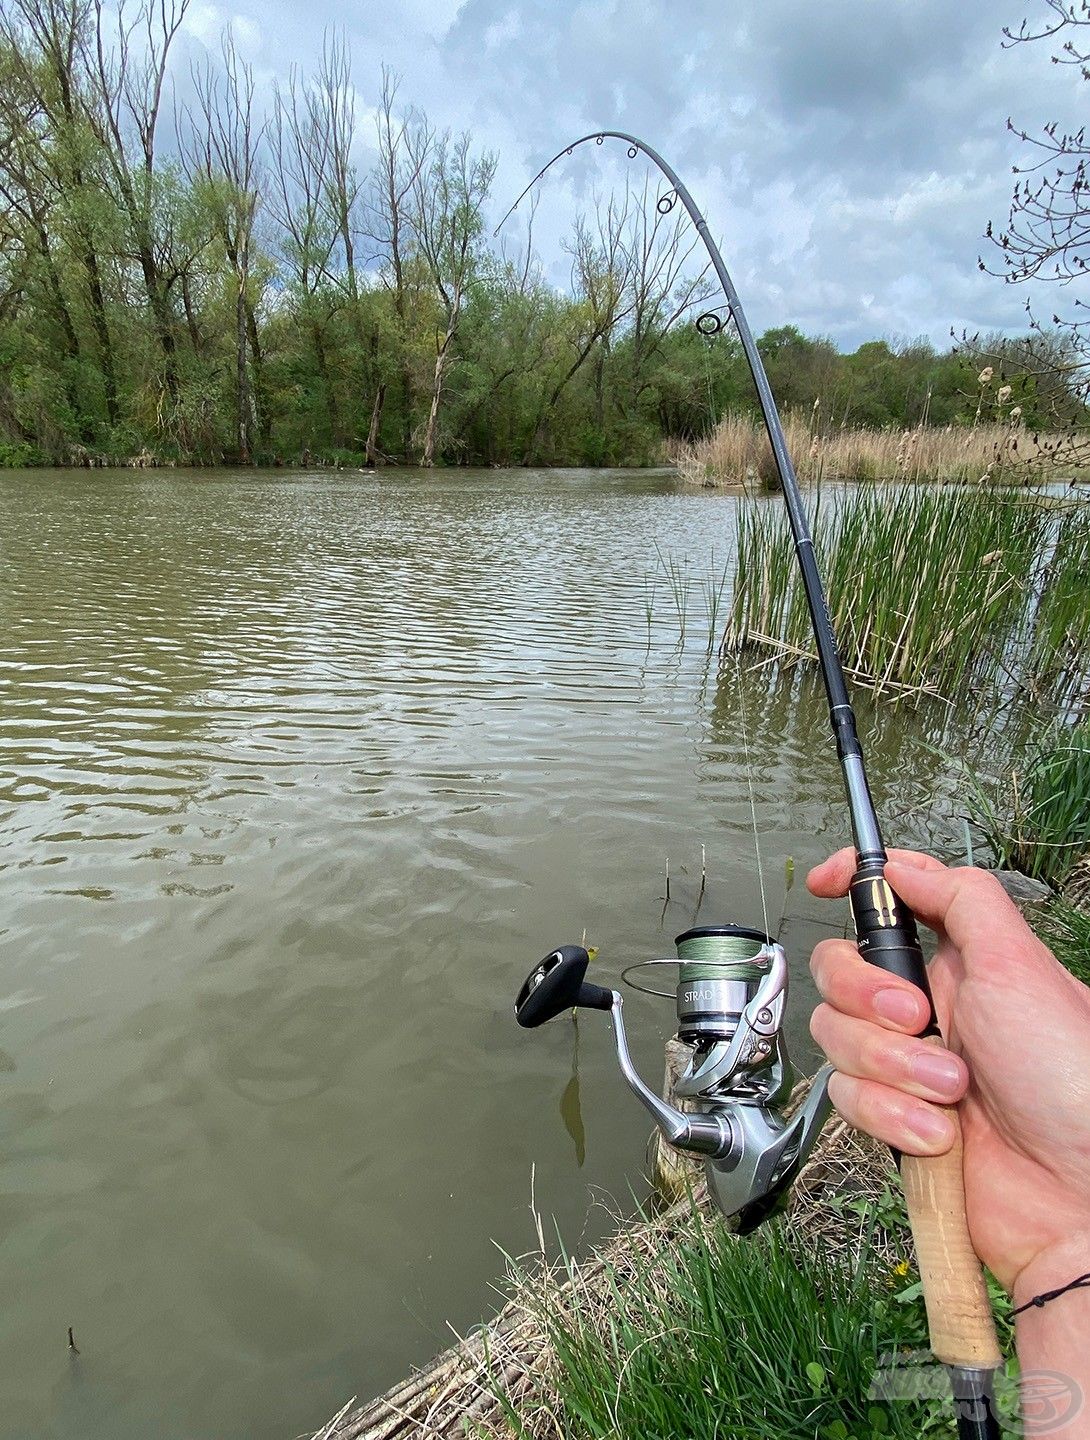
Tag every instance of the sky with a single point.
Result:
(848, 155)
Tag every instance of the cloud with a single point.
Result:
(848, 154)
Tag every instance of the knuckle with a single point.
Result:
(885, 1109)
(876, 1054)
(819, 1023)
(982, 883)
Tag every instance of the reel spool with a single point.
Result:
(719, 968)
(729, 996)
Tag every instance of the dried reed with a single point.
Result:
(737, 453)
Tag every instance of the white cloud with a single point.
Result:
(204, 22)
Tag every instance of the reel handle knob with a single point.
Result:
(556, 984)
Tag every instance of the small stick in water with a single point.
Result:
(703, 869)
(667, 878)
(71, 1342)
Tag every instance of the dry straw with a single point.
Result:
(737, 453)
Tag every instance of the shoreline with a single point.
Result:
(510, 1354)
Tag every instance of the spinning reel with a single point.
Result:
(730, 996)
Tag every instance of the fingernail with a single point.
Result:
(898, 1006)
(936, 1069)
(930, 1126)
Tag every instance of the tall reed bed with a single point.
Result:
(738, 453)
(922, 583)
(1036, 819)
(1061, 624)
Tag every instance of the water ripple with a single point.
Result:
(298, 774)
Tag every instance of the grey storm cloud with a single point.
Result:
(849, 155)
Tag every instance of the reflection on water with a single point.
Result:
(571, 1105)
(299, 775)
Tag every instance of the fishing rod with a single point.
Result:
(732, 982)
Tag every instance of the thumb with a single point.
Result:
(965, 903)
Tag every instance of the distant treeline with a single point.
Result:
(190, 272)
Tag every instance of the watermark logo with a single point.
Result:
(1040, 1402)
(1050, 1400)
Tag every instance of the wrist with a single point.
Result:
(1051, 1341)
(1055, 1266)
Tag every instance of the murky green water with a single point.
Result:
(300, 774)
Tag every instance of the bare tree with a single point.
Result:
(300, 180)
(602, 283)
(1047, 234)
(221, 150)
(300, 176)
(332, 108)
(125, 58)
(404, 148)
(658, 244)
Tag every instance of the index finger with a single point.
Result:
(832, 877)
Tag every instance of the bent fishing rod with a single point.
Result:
(731, 987)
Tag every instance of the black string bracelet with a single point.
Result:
(1081, 1283)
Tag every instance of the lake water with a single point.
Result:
(299, 775)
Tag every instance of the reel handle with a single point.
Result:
(556, 984)
(959, 1312)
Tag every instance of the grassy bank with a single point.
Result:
(779, 1335)
(677, 1328)
(737, 453)
(785, 1334)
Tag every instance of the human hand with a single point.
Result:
(1017, 1031)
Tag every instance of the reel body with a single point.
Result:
(730, 995)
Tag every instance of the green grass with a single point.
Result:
(1036, 819)
(923, 583)
(717, 1337)
(1066, 931)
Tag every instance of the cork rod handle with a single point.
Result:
(959, 1313)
